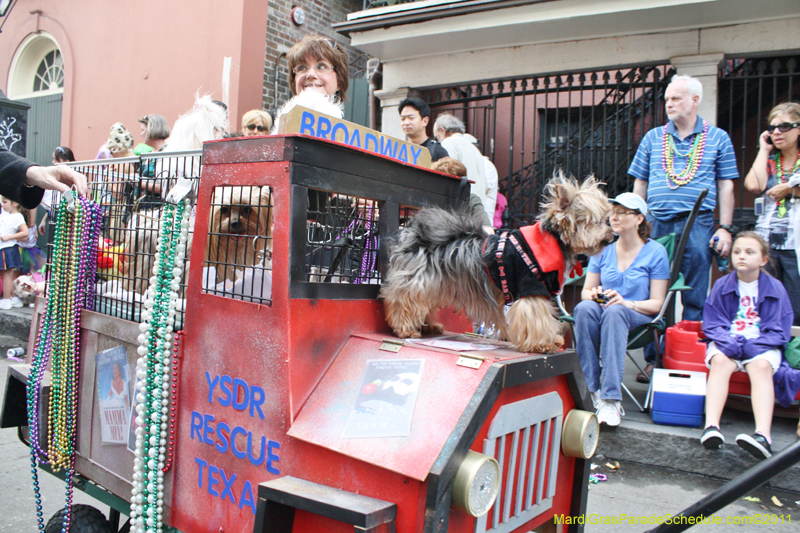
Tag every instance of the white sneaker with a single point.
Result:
(16, 302)
(609, 412)
(595, 399)
(5, 304)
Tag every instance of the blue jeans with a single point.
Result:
(696, 263)
(602, 334)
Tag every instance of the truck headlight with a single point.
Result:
(476, 484)
(580, 434)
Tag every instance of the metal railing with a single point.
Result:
(130, 191)
(585, 123)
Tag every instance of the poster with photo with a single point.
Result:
(385, 403)
(113, 394)
(132, 420)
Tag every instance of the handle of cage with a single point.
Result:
(462, 198)
(263, 252)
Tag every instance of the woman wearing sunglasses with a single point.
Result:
(776, 174)
(256, 122)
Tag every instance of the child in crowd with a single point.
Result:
(32, 257)
(12, 227)
(748, 317)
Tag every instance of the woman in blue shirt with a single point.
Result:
(631, 276)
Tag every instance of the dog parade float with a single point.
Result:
(230, 368)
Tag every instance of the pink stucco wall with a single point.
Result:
(127, 59)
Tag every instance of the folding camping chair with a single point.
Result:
(653, 330)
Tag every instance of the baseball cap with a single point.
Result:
(631, 201)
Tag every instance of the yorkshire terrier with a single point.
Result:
(443, 258)
(239, 216)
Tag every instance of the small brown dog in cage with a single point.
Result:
(444, 258)
(240, 230)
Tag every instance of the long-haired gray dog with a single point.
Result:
(444, 258)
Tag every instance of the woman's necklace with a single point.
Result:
(693, 157)
(71, 289)
(782, 179)
(153, 371)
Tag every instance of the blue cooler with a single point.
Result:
(679, 397)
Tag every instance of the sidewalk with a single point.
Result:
(638, 439)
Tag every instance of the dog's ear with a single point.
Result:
(563, 191)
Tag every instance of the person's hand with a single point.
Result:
(3, 238)
(763, 143)
(594, 291)
(779, 191)
(59, 178)
(614, 298)
(41, 229)
(724, 242)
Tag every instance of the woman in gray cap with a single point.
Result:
(625, 286)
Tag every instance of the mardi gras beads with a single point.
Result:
(58, 340)
(154, 369)
(781, 204)
(693, 158)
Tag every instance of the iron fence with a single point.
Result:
(584, 123)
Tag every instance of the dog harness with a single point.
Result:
(532, 266)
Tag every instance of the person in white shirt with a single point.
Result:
(449, 131)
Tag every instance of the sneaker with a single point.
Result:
(5, 304)
(757, 445)
(595, 398)
(712, 438)
(16, 302)
(609, 412)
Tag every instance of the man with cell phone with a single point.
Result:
(672, 165)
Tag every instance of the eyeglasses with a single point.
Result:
(320, 68)
(621, 213)
(783, 126)
(252, 127)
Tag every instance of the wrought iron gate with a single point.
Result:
(748, 89)
(584, 123)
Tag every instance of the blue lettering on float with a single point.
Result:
(238, 394)
(238, 430)
(402, 155)
(222, 445)
(386, 147)
(323, 128)
(208, 428)
(415, 152)
(307, 124)
(211, 386)
(247, 497)
(272, 457)
(225, 388)
(355, 140)
(340, 126)
(370, 137)
(212, 480)
(202, 464)
(239, 384)
(227, 483)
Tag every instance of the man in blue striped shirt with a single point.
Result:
(672, 165)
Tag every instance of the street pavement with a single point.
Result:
(646, 493)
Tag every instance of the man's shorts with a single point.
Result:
(773, 356)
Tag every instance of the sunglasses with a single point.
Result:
(783, 126)
(254, 127)
(330, 42)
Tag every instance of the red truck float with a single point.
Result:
(295, 409)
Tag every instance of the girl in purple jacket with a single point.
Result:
(748, 318)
